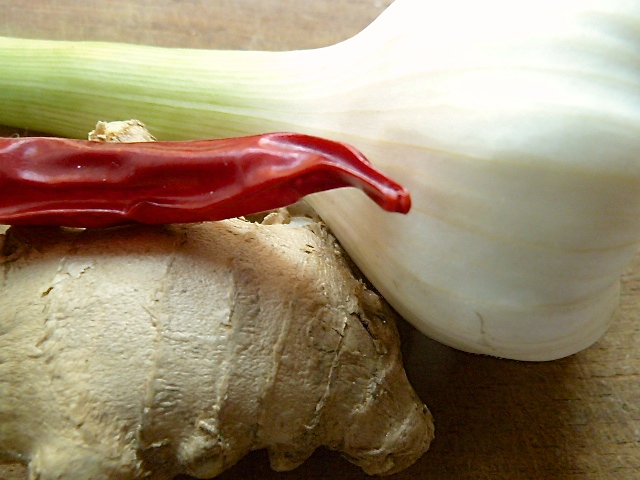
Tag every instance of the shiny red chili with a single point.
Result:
(80, 183)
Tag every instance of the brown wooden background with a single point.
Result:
(495, 419)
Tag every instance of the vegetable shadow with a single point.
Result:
(495, 418)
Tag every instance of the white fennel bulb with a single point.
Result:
(515, 125)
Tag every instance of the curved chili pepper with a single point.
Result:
(80, 183)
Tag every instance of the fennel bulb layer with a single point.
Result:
(515, 125)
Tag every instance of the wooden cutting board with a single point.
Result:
(495, 419)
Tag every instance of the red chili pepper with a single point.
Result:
(80, 183)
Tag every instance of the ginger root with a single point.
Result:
(145, 352)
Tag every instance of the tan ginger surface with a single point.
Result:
(179, 349)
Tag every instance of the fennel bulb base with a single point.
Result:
(541, 334)
(480, 295)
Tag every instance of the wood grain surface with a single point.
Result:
(495, 419)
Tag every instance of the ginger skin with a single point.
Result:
(145, 352)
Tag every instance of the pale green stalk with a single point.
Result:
(62, 87)
(515, 125)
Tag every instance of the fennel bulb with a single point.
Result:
(515, 126)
